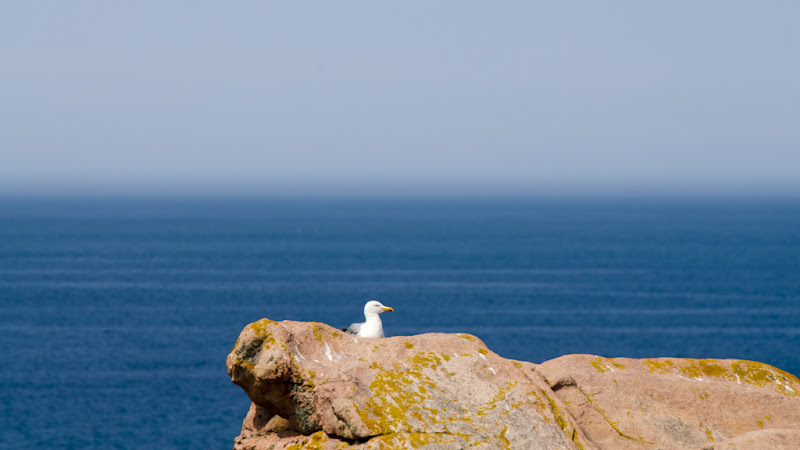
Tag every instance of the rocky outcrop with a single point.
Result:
(313, 386)
(678, 403)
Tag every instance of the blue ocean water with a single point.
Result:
(116, 315)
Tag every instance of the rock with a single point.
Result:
(767, 439)
(313, 386)
(624, 403)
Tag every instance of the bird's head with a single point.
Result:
(376, 307)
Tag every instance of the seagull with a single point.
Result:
(372, 328)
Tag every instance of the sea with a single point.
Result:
(117, 314)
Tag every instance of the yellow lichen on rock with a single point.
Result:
(394, 397)
(709, 433)
(761, 374)
(598, 364)
(605, 364)
(665, 366)
(414, 440)
(704, 367)
(558, 415)
(315, 329)
(503, 437)
(260, 327)
(751, 372)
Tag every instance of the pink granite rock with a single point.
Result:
(677, 403)
(767, 439)
(313, 386)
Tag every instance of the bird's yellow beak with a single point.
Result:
(388, 308)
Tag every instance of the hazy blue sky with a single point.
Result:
(402, 97)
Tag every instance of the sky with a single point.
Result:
(358, 97)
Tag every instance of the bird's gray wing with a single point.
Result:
(354, 328)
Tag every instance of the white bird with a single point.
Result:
(373, 327)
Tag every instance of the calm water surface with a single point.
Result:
(116, 315)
